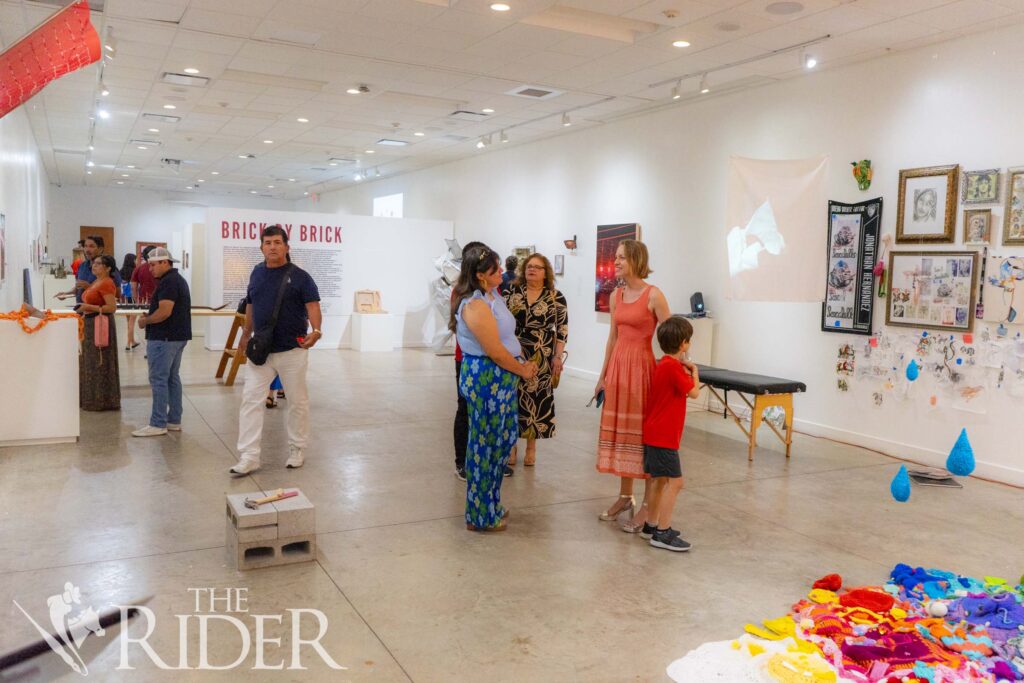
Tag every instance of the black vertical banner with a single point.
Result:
(852, 250)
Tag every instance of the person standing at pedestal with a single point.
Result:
(289, 356)
(168, 326)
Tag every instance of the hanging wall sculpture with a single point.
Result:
(852, 249)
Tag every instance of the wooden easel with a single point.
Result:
(235, 355)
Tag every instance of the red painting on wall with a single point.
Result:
(608, 238)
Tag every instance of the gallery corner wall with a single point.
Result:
(957, 102)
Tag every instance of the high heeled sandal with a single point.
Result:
(512, 458)
(611, 514)
(531, 458)
(637, 522)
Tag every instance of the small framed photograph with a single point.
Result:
(927, 205)
(977, 227)
(1013, 221)
(559, 264)
(524, 252)
(980, 187)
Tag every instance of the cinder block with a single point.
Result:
(270, 553)
(296, 516)
(242, 517)
(251, 533)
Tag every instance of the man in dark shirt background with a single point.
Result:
(168, 326)
(509, 276)
(289, 356)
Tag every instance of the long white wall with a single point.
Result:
(958, 102)
(135, 215)
(24, 186)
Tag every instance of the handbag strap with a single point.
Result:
(280, 296)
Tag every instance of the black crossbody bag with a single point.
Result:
(258, 348)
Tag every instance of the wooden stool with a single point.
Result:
(235, 355)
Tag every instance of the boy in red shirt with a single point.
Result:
(675, 380)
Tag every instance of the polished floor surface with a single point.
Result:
(409, 594)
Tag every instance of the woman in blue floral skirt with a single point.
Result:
(489, 379)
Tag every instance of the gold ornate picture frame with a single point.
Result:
(927, 205)
(1013, 218)
(977, 230)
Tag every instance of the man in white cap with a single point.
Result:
(168, 326)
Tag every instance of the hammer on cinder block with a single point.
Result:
(280, 494)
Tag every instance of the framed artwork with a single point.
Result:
(559, 265)
(608, 238)
(523, 253)
(980, 187)
(977, 227)
(932, 289)
(1003, 290)
(852, 251)
(3, 249)
(139, 246)
(1013, 221)
(927, 205)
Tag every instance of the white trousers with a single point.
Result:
(291, 366)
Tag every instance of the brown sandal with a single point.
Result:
(500, 526)
(512, 458)
(531, 458)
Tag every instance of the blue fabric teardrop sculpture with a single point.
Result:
(912, 371)
(900, 486)
(961, 459)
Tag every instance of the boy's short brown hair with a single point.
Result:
(673, 333)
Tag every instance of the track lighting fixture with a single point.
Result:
(675, 91)
(704, 87)
(565, 120)
(504, 137)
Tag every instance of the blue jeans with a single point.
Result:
(164, 364)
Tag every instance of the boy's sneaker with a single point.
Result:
(460, 473)
(669, 540)
(648, 530)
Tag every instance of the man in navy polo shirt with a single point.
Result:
(289, 356)
(168, 326)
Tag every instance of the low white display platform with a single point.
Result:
(41, 383)
(373, 332)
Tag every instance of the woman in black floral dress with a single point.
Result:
(542, 325)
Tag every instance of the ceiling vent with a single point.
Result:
(388, 142)
(173, 164)
(535, 92)
(145, 143)
(185, 79)
(162, 118)
(340, 160)
(464, 115)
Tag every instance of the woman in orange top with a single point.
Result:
(99, 382)
(636, 310)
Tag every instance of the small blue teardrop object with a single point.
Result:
(961, 459)
(924, 334)
(912, 371)
(900, 486)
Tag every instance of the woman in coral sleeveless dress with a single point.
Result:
(636, 310)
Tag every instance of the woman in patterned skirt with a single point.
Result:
(488, 378)
(99, 383)
(542, 326)
(636, 310)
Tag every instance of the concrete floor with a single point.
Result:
(408, 592)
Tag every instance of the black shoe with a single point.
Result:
(508, 471)
(648, 530)
(669, 540)
(460, 473)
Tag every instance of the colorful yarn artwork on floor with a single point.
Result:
(923, 626)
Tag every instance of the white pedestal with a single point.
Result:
(373, 332)
(41, 383)
(52, 286)
(702, 341)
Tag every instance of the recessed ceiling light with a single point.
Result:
(270, 187)
(142, 147)
(268, 142)
(125, 175)
(305, 194)
(302, 120)
(91, 148)
(120, 182)
(333, 163)
(201, 180)
(169, 106)
(500, 7)
(370, 151)
(358, 177)
(784, 8)
(88, 173)
(243, 156)
(214, 172)
(252, 191)
(131, 166)
(680, 43)
(189, 187)
(353, 91)
(90, 163)
(291, 180)
(103, 114)
(154, 130)
(488, 110)
(419, 134)
(191, 70)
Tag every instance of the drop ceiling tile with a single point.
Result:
(440, 39)
(845, 19)
(409, 11)
(153, 10)
(787, 35)
(759, 7)
(472, 24)
(684, 11)
(891, 34)
(205, 42)
(358, 44)
(220, 22)
(586, 46)
(745, 22)
(960, 14)
(260, 66)
(254, 8)
(149, 34)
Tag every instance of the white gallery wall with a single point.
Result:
(23, 201)
(956, 102)
(135, 215)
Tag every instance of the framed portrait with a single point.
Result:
(559, 264)
(852, 251)
(977, 227)
(927, 205)
(980, 187)
(1013, 221)
(932, 289)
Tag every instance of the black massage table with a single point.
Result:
(767, 392)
